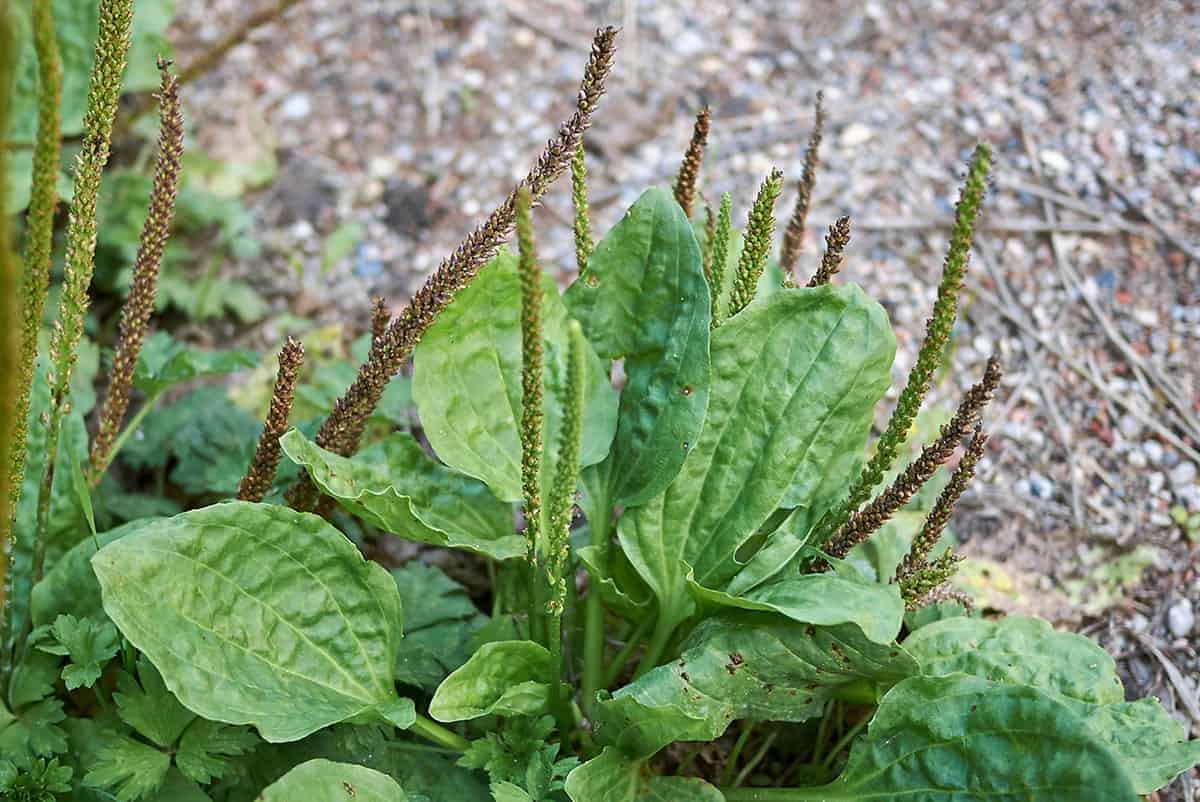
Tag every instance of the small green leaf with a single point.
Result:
(506, 678)
(132, 770)
(397, 487)
(256, 614)
(826, 599)
(467, 382)
(325, 781)
(1019, 651)
(962, 739)
(439, 621)
(612, 777)
(743, 666)
(163, 363)
(340, 244)
(795, 379)
(90, 644)
(206, 747)
(643, 298)
(146, 705)
(34, 730)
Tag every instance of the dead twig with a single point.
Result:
(1190, 702)
(1168, 234)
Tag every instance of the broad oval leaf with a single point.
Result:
(505, 678)
(1018, 650)
(439, 622)
(826, 599)
(795, 378)
(962, 739)
(257, 614)
(743, 666)
(70, 587)
(467, 382)
(643, 297)
(397, 487)
(325, 781)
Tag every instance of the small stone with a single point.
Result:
(1183, 474)
(855, 134)
(1153, 451)
(296, 107)
(1056, 161)
(1181, 618)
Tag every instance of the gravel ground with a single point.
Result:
(414, 119)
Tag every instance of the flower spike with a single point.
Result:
(759, 229)
(261, 473)
(689, 170)
(793, 237)
(835, 246)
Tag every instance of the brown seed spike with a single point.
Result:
(861, 525)
(689, 171)
(380, 317)
(135, 315)
(835, 246)
(793, 238)
(261, 473)
(342, 430)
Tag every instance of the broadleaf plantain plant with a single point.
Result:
(707, 408)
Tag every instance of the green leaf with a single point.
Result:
(397, 487)
(612, 777)
(520, 760)
(506, 678)
(34, 730)
(256, 614)
(826, 599)
(1151, 745)
(879, 556)
(1018, 651)
(145, 704)
(440, 620)
(643, 298)
(795, 379)
(71, 587)
(89, 643)
(325, 781)
(206, 747)
(340, 244)
(743, 666)
(467, 382)
(132, 770)
(163, 363)
(961, 739)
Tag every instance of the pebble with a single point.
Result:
(1153, 451)
(296, 107)
(1183, 474)
(1056, 161)
(855, 134)
(1181, 618)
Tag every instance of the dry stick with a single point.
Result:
(1084, 373)
(261, 473)
(1167, 234)
(1175, 396)
(135, 315)
(1044, 388)
(342, 430)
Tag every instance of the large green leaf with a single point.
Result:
(397, 487)
(467, 382)
(826, 599)
(257, 614)
(71, 587)
(506, 678)
(1021, 651)
(439, 621)
(743, 666)
(326, 781)
(612, 777)
(643, 298)
(963, 739)
(795, 378)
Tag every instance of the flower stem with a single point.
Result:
(436, 733)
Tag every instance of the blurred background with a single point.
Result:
(340, 150)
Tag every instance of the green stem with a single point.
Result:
(560, 710)
(130, 428)
(664, 627)
(757, 758)
(850, 735)
(599, 526)
(822, 734)
(859, 692)
(635, 638)
(736, 752)
(436, 733)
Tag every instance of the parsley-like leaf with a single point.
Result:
(37, 781)
(519, 756)
(88, 643)
(33, 731)
(207, 745)
(149, 707)
(130, 769)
